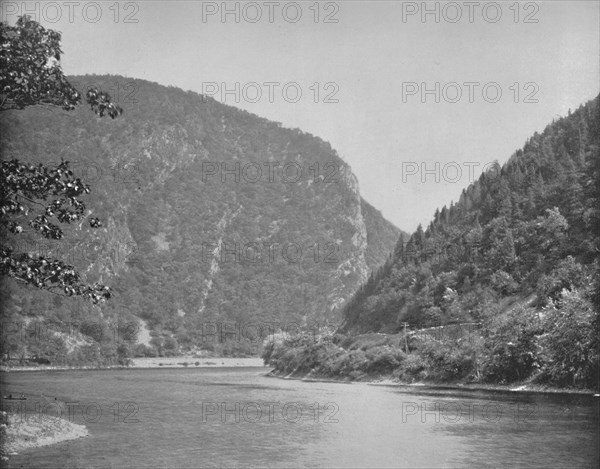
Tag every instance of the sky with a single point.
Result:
(418, 97)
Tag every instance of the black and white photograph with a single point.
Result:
(300, 234)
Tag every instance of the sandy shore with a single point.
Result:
(41, 430)
(156, 362)
(191, 362)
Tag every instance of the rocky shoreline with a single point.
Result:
(21, 433)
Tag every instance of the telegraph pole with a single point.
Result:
(405, 324)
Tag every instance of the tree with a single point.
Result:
(37, 196)
(504, 201)
(509, 350)
(568, 344)
(30, 72)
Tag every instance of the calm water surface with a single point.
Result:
(237, 417)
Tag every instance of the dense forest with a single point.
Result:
(175, 182)
(515, 260)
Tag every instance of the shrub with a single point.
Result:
(351, 361)
(413, 367)
(509, 350)
(567, 274)
(447, 361)
(383, 359)
(503, 283)
(568, 352)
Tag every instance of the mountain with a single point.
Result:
(501, 287)
(211, 215)
(509, 235)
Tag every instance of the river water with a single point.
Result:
(238, 417)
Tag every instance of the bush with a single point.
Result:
(566, 275)
(352, 361)
(383, 359)
(503, 283)
(568, 352)
(447, 361)
(413, 367)
(142, 350)
(509, 350)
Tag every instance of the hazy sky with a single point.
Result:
(373, 62)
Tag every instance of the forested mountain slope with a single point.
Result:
(501, 287)
(211, 214)
(525, 227)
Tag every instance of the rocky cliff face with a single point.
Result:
(210, 213)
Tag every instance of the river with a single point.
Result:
(238, 417)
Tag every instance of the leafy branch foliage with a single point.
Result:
(38, 196)
(30, 72)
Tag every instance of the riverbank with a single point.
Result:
(23, 433)
(482, 362)
(155, 362)
(521, 388)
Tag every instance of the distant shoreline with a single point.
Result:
(518, 388)
(155, 362)
(192, 362)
